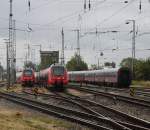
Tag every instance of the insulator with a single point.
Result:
(29, 5)
(89, 5)
(84, 5)
(140, 6)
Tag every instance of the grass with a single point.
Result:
(141, 83)
(13, 120)
(15, 88)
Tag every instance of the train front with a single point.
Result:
(28, 77)
(59, 76)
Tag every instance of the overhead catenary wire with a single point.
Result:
(59, 19)
(115, 13)
(74, 14)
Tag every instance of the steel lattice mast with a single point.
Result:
(11, 58)
(14, 52)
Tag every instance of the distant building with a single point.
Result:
(48, 58)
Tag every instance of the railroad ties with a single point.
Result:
(81, 110)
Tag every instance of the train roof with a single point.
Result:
(105, 70)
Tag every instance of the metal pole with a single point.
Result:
(133, 49)
(10, 45)
(98, 64)
(78, 42)
(7, 64)
(14, 52)
(40, 47)
(62, 51)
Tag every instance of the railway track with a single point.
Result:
(83, 118)
(104, 88)
(2, 84)
(143, 94)
(127, 120)
(126, 99)
(105, 112)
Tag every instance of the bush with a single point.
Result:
(141, 68)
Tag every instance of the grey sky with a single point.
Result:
(47, 17)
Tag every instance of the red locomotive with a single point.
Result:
(55, 75)
(28, 77)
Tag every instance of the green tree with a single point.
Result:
(76, 64)
(111, 64)
(94, 67)
(29, 64)
(127, 62)
(38, 67)
(141, 68)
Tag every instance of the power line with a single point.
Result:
(58, 19)
(31, 9)
(68, 16)
(116, 12)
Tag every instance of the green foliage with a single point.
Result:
(76, 64)
(94, 67)
(141, 68)
(29, 64)
(142, 83)
(38, 67)
(127, 62)
(112, 64)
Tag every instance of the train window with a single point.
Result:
(58, 70)
(27, 72)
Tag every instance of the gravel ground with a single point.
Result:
(16, 117)
(122, 91)
(140, 112)
(50, 100)
(131, 109)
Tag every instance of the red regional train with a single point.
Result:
(55, 76)
(120, 77)
(28, 77)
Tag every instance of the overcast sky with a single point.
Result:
(47, 17)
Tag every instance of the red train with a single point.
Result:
(120, 77)
(55, 76)
(28, 77)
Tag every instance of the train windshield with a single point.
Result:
(58, 70)
(27, 72)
